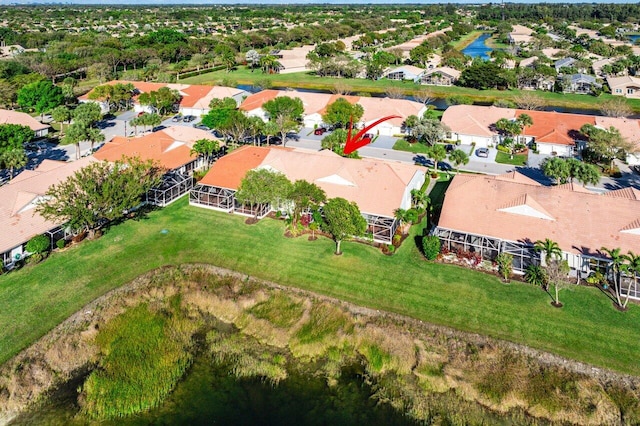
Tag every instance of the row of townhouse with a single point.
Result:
(170, 148)
(8, 116)
(194, 99)
(315, 106)
(508, 213)
(554, 133)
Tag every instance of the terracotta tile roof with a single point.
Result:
(514, 176)
(579, 221)
(628, 193)
(229, 170)
(555, 127)
(15, 117)
(474, 119)
(377, 186)
(18, 219)
(629, 128)
(375, 108)
(256, 100)
(171, 147)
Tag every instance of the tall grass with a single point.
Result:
(144, 355)
(279, 309)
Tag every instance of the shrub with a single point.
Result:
(391, 248)
(459, 100)
(61, 243)
(431, 246)
(503, 148)
(38, 244)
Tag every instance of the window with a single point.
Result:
(630, 91)
(618, 90)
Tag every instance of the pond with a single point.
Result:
(478, 48)
(209, 394)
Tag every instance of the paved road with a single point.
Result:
(381, 148)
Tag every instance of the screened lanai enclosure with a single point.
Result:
(488, 247)
(173, 186)
(212, 197)
(381, 227)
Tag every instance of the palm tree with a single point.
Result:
(419, 198)
(550, 248)
(403, 217)
(13, 159)
(536, 275)
(459, 157)
(524, 120)
(633, 267)
(616, 263)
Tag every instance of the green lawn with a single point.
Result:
(306, 80)
(588, 328)
(416, 148)
(517, 160)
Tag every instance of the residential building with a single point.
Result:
(378, 187)
(563, 63)
(508, 213)
(554, 133)
(8, 116)
(520, 35)
(194, 99)
(315, 106)
(19, 221)
(170, 148)
(626, 86)
(580, 83)
(405, 72)
(442, 76)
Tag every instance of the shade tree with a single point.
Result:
(261, 187)
(40, 96)
(304, 196)
(341, 112)
(342, 219)
(98, 192)
(286, 113)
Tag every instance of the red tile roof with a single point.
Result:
(159, 146)
(256, 100)
(555, 127)
(229, 170)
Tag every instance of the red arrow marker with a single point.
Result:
(358, 141)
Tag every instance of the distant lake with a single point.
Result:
(478, 48)
(634, 38)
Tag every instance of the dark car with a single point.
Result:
(482, 152)
(319, 131)
(176, 118)
(188, 118)
(449, 148)
(201, 127)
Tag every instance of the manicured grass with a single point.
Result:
(306, 80)
(416, 148)
(517, 160)
(587, 328)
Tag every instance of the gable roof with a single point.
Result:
(579, 221)
(451, 72)
(377, 186)
(170, 147)
(475, 119)
(8, 116)
(18, 218)
(555, 127)
(623, 82)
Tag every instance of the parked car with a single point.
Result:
(188, 118)
(368, 136)
(176, 118)
(482, 152)
(201, 127)
(319, 131)
(140, 113)
(449, 148)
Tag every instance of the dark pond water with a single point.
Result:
(478, 48)
(634, 38)
(210, 395)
